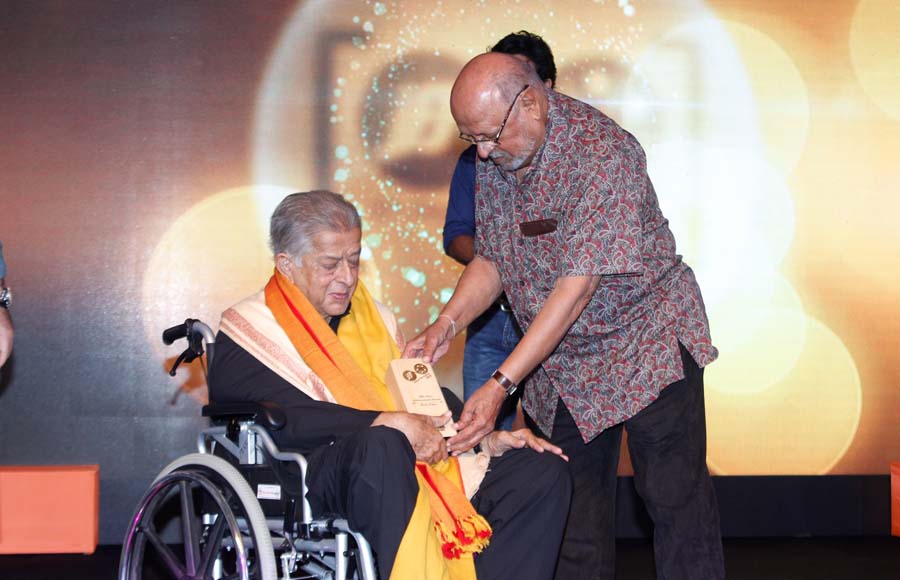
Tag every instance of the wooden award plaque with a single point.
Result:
(415, 389)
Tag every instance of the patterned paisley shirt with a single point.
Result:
(590, 175)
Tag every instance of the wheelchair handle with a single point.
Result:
(170, 335)
(189, 326)
(200, 337)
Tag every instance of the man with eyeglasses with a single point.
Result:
(616, 333)
(491, 337)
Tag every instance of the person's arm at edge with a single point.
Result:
(6, 331)
(6, 335)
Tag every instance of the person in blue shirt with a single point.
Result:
(492, 336)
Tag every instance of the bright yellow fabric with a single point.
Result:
(421, 554)
(444, 531)
(370, 344)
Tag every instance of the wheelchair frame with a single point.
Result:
(235, 539)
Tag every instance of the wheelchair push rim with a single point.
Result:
(216, 515)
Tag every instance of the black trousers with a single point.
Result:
(368, 478)
(667, 443)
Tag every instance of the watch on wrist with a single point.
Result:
(5, 297)
(505, 382)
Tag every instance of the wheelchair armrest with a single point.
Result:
(267, 414)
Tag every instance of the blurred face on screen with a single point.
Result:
(382, 131)
(327, 275)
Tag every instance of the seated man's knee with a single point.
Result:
(555, 475)
(551, 485)
(548, 478)
(366, 463)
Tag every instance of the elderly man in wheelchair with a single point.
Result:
(315, 346)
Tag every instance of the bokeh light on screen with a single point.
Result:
(802, 424)
(765, 322)
(873, 48)
(212, 256)
(780, 95)
(355, 99)
(379, 94)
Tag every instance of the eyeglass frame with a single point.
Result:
(496, 138)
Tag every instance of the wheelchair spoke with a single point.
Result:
(165, 552)
(212, 547)
(189, 528)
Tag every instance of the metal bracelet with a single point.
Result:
(452, 324)
(505, 382)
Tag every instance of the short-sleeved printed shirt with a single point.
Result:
(590, 175)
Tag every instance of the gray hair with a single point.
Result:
(301, 216)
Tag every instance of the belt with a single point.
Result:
(503, 303)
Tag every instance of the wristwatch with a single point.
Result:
(505, 382)
(5, 297)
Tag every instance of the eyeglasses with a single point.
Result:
(496, 138)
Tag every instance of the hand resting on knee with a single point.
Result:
(498, 442)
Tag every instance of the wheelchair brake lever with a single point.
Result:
(186, 356)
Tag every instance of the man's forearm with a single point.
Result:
(563, 307)
(478, 288)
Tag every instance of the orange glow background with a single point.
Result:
(143, 150)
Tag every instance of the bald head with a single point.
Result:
(487, 81)
(499, 102)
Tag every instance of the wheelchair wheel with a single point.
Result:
(198, 520)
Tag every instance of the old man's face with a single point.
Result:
(518, 140)
(327, 275)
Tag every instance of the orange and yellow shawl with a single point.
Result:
(444, 531)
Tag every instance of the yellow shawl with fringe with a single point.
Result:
(444, 531)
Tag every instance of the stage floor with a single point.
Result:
(857, 558)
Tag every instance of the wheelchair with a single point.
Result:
(237, 509)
